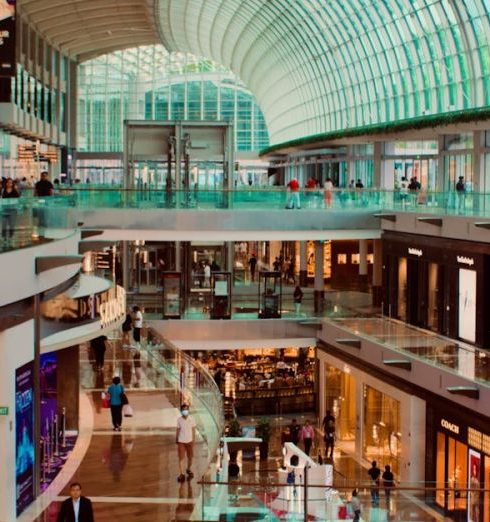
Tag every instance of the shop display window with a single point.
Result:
(355, 259)
(433, 297)
(456, 475)
(486, 497)
(402, 289)
(370, 259)
(381, 429)
(440, 468)
(340, 390)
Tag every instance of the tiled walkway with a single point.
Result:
(132, 475)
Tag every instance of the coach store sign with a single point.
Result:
(450, 426)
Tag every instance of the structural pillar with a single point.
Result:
(125, 264)
(303, 263)
(363, 269)
(230, 257)
(68, 385)
(319, 291)
(178, 257)
(377, 272)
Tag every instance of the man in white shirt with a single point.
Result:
(137, 324)
(76, 508)
(185, 438)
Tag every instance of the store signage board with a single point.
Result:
(465, 260)
(415, 251)
(4, 410)
(450, 426)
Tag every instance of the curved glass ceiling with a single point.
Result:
(324, 65)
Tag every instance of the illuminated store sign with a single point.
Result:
(114, 308)
(450, 426)
(415, 252)
(465, 260)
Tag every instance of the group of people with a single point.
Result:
(201, 273)
(376, 477)
(312, 189)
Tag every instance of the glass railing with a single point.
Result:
(192, 384)
(26, 222)
(468, 204)
(272, 500)
(462, 359)
(453, 203)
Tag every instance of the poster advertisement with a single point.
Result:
(474, 473)
(467, 305)
(48, 387)
(24, 436)
(7, 37)
(248, 431)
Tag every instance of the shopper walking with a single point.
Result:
(388, 482)
(185, 438)
(99, 347)
(9, 211)
(356, 505)
(137, 324)
(252, 263)
(327, 192)
(295, 430)
(329, 434)
(374, 473)
(307, 436)
(76, 508)
(298, 298)
(293, 199)
(115, 391)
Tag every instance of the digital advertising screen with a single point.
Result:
(49, 390)
(24, 436)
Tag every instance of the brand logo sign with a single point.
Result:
(450, 426)
(465, 260)
(415, 252)
(114, 308)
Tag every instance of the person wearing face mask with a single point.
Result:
(185, 438)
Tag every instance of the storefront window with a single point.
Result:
(440, 468)
(433, 295)
(456, 475)
(402, 289)
(381, 429)
(486, 498)
(341, 401)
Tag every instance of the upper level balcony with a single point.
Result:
(257, 213)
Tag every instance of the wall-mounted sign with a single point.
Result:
(114, 308)
(465, 260)
(415, 251)
(450, 426)
(4, 410)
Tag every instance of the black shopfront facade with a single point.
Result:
(439, 284)
(458, 461)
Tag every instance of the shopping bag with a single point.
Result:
(342, 512)
(105, 400)
(127, 410)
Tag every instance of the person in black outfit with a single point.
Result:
(82, 505)
(252, 262)
(329, 433)
(44, 187)
(374, 472)
(99, 347)
(295, 430)
(388, 482)
(9, 213)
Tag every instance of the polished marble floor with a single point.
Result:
(132, 475)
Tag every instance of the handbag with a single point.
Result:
(105, 400)
(127, 410)
(124, 399)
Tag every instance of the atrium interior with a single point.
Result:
(245, 249)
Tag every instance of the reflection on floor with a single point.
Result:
(132, 475)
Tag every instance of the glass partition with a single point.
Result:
(192, 383)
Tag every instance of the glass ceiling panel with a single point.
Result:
(325, 65)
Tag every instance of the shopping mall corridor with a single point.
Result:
(131, 475)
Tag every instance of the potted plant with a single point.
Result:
(263, 431)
